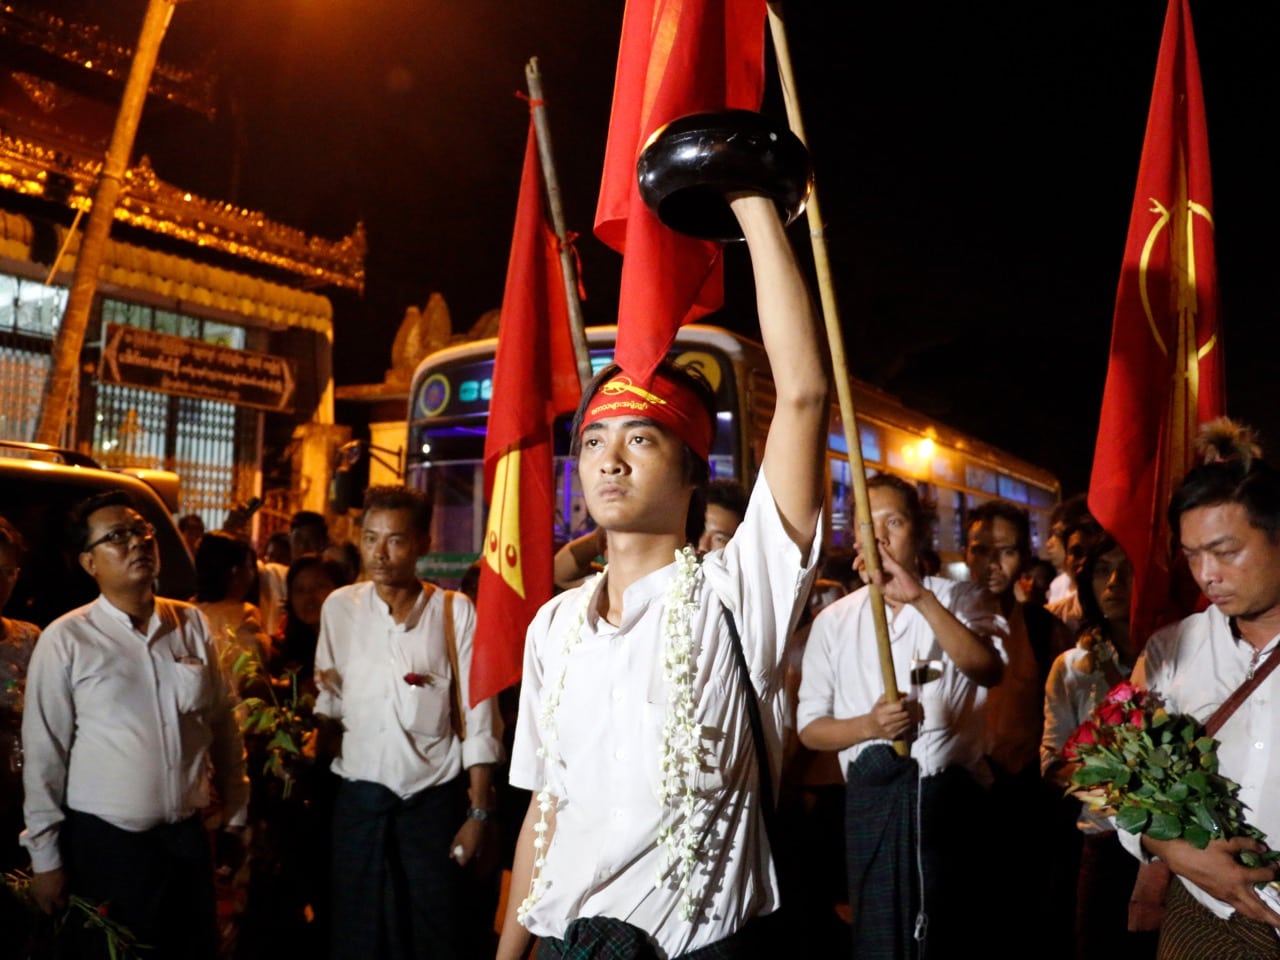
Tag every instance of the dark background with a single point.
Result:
(976, 163)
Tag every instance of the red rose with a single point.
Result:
(1125, 692)
(102, 910)
(1111, 713)
(1086, 734)
(1137, 718)
(416, 679)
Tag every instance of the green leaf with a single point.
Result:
(1092, 776)
(1133, 819)
(1200, 809)
(282, 741)
(1159, 758)
(1164, 827)
(1197, 836)
(1177, 792)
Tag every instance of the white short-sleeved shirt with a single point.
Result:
(841, 674)
(126, 724)
(604, 858)
(396, 733)
(1196, 664)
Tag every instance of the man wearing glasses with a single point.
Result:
(126, 709)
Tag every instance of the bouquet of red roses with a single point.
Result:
(1157, 774)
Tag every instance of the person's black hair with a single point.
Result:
(190, 520)
(1014, 514)
(1071, 512)
(919, 512)
(1237, 474)
(308, 518)
(216, 556)
(86, 508)
(729, 494)
(696, 470)
(396, 497)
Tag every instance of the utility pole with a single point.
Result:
(84, 281)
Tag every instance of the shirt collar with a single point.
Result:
(380, 610)
(635, 599)
(115, 613)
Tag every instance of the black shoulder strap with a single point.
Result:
(767, 811)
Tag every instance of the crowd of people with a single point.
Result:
(291, 763)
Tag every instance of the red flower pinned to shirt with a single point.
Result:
(418, 679)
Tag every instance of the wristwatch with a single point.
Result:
(479, 813)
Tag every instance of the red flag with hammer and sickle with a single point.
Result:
(534, 379)
(1165, 375)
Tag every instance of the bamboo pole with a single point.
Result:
(568, 266)
(844, 394)
(84, 280)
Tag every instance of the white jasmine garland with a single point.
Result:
(680, 755)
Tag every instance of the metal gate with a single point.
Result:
(212, 446)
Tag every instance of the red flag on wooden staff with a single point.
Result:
(534, 379)
(1165, 375)
(676, 57)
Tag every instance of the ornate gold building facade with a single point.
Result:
(211, 335)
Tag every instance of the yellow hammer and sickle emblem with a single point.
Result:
(620, 385)
(502, 537)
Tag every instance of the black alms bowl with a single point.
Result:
(689, 165)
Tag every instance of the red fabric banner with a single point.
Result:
(676, 57)
(534, 379)
(1165, 375)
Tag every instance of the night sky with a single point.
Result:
(976, 163)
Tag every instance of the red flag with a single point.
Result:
(1165, 375)
(534, 379)
(676, 57)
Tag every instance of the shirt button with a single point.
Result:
(617, 695)
(1259, 745)
(622, 754)
(617, 815)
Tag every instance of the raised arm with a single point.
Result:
(795, 449)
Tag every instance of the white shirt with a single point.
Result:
(273, 597)
(1070, 697)
(395, 733)
(841, 675)
(604, 857)
(1061, 587)
(1195, 665)
(123, 724)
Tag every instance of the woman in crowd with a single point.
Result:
(311, 578)
(1078, 682)
(226, 573)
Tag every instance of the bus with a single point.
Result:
(451, 393)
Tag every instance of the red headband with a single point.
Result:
(670, 403)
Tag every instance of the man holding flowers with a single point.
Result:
(1225, 517)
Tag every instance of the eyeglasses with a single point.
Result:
(123, 536)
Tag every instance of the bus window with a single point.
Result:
(979, 478)
(1011, 489)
